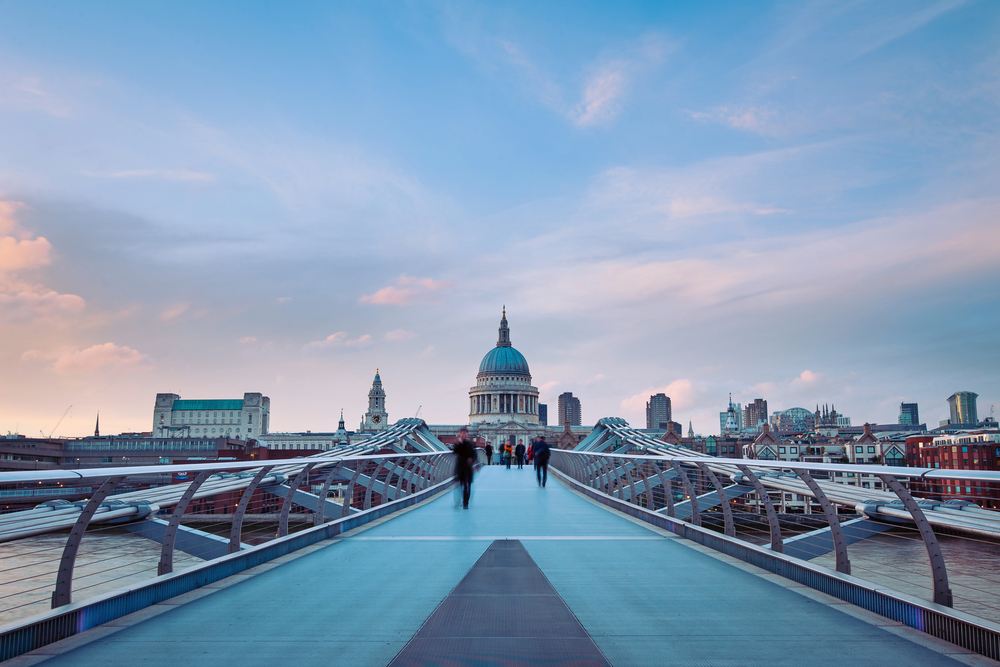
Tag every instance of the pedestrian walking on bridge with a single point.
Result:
(541, 452)
(489, 454)
(519, 455)
(465, 457)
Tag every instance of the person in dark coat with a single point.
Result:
(519, 453)
(540, 452)
(465, 457)
(489, 454)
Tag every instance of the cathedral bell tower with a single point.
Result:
(376, 419)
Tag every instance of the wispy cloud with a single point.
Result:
(760, 119)
(335, 340)
(399, 335)
(157, 174)
(246, 340)
(173, 311)
(407, 291)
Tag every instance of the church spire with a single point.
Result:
(504, 338)
(97, 425)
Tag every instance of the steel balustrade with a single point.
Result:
(419, 471)
(605, 472)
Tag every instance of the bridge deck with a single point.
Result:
(644, 598)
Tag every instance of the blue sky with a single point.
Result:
(792, 201)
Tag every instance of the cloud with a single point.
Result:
(428, 352)
(29, 93)
(601, 97)
(284, 299)
(759, 119)
(174, 311)
(20, 251)
(807, 378)
(68, 361)
(157, 174)
(596, 378)
(682, 394)
(23, 254)
(30, 302)
(248, 339)
(605, 86)
(399, 335)
(869, 259)
(336, 340)
(406, 291)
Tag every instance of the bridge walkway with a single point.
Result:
(645, 597)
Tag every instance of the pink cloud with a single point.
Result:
(682, 395)
(248, 339)
(67, 361)
(406, 291)
(27, 302)
(399, 335)
(19, 251)
(338, 339)
(171, 312)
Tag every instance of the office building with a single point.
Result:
(755, 414)
(569, 409)
(543, 414)
(908, 414)
(211, 418)
(658, 411)
(963, 408)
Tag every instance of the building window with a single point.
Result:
(871, 450)
(859, 450)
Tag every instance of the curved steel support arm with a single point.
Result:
(942, 591)
(286, 506)
(320, 516)
(777, 543)
(689, 490)
(166, 564)
(668, 491)
(63, 594)
(236, 533)
(371, 484)
(839, 543)
(630, 480)
(727, 511)
(345, 509)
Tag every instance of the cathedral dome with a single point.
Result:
(504, 359)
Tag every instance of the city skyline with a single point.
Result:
(209, 202)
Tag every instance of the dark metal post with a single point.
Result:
(63, 593)
(166, 564)
(839, 543)
(236, 532)
(777, 543)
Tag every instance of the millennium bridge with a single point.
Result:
(635, 553)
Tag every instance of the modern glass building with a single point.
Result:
(963, 408)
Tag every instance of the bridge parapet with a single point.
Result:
(277, 499)
(727, 502)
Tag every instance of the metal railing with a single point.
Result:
(884, 537)
(236, 505)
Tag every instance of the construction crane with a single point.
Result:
(66, 412)
(418, 411)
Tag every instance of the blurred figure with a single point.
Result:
(465, 457)
(489, 454)
(541, 452)
(519, 455)
(508, 454)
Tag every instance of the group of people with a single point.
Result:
(538, 452)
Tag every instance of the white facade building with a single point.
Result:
(243, 419)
